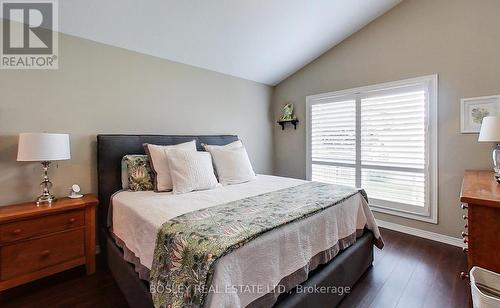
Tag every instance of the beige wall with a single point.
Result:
(103, 89)
(457, 39)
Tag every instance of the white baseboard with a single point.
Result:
(422, 233)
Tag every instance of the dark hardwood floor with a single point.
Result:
(408, 272)
(68, 289)
(412, 272)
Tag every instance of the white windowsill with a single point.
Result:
(406, 214)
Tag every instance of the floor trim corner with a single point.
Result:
(422, 233)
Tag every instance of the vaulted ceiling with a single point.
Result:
(260, 40)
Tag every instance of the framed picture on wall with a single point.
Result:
(474, 109)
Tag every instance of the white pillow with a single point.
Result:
(159, 163)
(233, 165)
(232, 145)
(191, 171)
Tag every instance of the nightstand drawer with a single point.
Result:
(48, 224)
(33, 255)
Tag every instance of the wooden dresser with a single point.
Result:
(480, 199)
(38, 241)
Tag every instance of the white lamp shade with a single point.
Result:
(490, 130)
(43, 147)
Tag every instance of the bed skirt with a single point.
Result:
(344, 270)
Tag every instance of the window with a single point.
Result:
(382, 138)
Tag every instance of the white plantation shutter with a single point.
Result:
(393, 147)
(334, 174)
(333, 139)
(378, 138)
(333, 134)
(393, 130)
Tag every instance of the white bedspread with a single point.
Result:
(263, 262)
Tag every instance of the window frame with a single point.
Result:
(429, 213)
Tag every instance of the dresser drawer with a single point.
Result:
(33, 255)
(42, 225)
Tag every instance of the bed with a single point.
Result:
(131, 224)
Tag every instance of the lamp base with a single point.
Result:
(45, 199)
(496, 162)
(46, 196)
(497, 178)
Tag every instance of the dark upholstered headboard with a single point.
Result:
(111, 149)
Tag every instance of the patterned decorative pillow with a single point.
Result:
(139, 173)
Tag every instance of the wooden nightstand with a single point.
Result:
(38, 241)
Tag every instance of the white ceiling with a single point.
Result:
(260, 40)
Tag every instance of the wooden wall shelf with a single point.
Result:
(294, 122)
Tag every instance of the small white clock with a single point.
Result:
(75, 192)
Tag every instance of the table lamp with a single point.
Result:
(490, 132)
(44, 148)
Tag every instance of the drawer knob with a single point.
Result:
(464, 217)
(464, 275)
(464, 206)
(72, 220)
(466, 226)
(16, 231)
(45, 253)
(465, 250)
(464, 234)
(466, 240)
